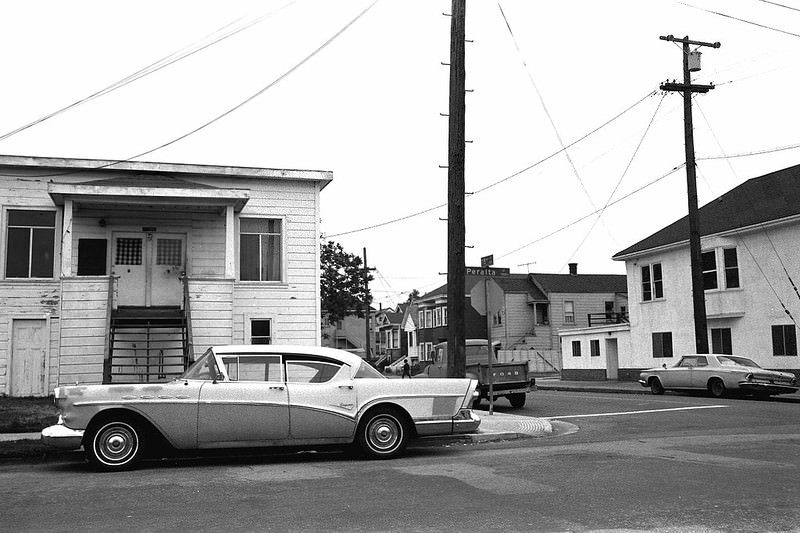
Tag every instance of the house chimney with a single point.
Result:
(573, 269)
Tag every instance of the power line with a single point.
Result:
(742, 20)
(224, 114)
(515, 174)
(624, 173)
(165, 61)
(779, 5)
(581, 219)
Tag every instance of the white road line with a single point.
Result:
(635, 412)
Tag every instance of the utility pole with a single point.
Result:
(698, 291)
(366, 309)
(456, 270)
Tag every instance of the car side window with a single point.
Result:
(253, 367)
(311, 371)
(702, 361)
(688, 362)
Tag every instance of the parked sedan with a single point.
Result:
(718, 374)
(260, 395)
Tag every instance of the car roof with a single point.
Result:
(290, 349)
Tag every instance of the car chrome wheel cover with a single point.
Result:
(384, 434)
(115, 444)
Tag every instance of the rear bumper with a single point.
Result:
(466, 421)
(770, 388)
(60, 436)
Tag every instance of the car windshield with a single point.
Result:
(204, 368)
(732, 360)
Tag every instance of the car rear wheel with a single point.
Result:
(656, 387)
(383, 434)
(115, 445)
(517, 400)
(717, 388)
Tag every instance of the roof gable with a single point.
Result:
(770, 197)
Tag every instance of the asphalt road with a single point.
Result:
(615, 462)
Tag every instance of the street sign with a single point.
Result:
(487, 261)
(488, 272)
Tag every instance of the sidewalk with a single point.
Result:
(617, 387)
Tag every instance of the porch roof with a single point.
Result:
(150, 190)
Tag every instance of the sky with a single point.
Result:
(573, 152)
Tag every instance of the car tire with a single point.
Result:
(517, 400)
(656, 387)
(115, 445)
(716, 387)
(383, 434)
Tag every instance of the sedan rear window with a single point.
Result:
(310, 371)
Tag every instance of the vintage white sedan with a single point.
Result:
(718, 374)
(256, 396)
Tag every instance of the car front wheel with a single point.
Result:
(115, 445)
(383, 434)
(656, 387)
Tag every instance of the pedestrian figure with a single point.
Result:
(406, 370)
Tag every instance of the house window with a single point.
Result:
(652, 283)
(576, 348)
(428, 318)
(709, 262)
(30, 243)
(92, 257)
(395, 338)
(437, 317)
(569, 312)
(662, 344)
(731, 268)
(594, 347)
(784, 340)
(421, 319)
(444, 316)
(260, 249)
(721, 341)
(260, 331)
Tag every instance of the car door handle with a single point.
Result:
(276, 388)
(346, 387)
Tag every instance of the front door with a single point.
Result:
(149, 266)
(29, 357)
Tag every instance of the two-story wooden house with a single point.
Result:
(125, 271)
(751, 272)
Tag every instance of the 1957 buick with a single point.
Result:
(260, 395)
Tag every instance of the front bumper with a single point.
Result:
(60, 436)
(770, 388)
(643, 383)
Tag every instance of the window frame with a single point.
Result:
(664, 344)
(728, 270)
(594, 347)
(576, 349)
(569, 316)
(56, 248)
(249, 329)
(653, 286)
(710, 273)
(283, 249)
(786, 348)
(721, 339)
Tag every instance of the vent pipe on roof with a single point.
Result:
(573, 269)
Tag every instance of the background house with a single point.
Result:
(125, 271)
(751, 267)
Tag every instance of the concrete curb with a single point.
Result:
(589, 388)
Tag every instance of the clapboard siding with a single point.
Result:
(211, 311)
(84, 326)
